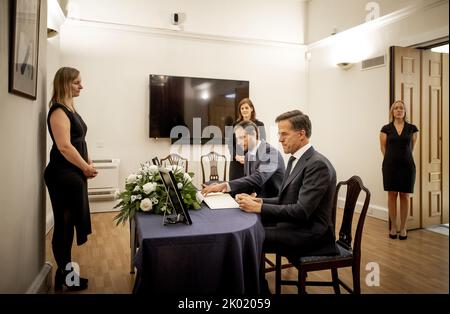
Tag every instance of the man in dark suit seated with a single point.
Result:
(263, 166)
(299, 219)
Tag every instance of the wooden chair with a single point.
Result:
(349, 256)
(213, 160)
(156, 161)
(175, 159)
(272, 266)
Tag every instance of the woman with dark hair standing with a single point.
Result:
(66, 177)
(397, 141)
(246, 112)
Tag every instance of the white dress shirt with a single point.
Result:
(299, 153)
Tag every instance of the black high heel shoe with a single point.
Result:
(401, 237)
(60, 281)
(393, 236)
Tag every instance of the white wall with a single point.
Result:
(348, 108)
(327, 16)
(53, 64)
(116, 60)
(280, 20)
(22, 160)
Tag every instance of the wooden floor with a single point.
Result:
(418, 265)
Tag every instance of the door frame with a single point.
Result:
(445, 126)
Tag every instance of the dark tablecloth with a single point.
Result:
(219, 253)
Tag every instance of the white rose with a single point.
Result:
(146, 205)
(180, 185)
(153, 169)
(187, 177)
(139, 196)
(149, 187)
(131, 178)
(136, 188)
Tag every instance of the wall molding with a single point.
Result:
(374, 211)
(43, 281)
(417, 39)
(181, 34)
(381, 21)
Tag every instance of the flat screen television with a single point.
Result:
(191, 109)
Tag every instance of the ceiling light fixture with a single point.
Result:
(440, 49)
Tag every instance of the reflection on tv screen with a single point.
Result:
(200, 107)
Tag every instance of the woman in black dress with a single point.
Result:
(246, 112)
(397, 141)
(66, 176)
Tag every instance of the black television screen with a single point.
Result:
(193, 104)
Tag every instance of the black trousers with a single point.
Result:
(292, 242)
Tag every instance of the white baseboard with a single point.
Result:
(374, 211)
(379, 212)
(103, 206)
(43, 281)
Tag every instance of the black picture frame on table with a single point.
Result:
(24, 47)
(181, 214)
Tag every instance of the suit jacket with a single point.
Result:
(306, 200)
(264, 172)
(236, 168)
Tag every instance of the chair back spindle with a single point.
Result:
(213, 160)
(175, 159)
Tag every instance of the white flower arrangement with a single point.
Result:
(145, 191)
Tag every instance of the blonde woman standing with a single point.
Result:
(66, 176)
(397, 141)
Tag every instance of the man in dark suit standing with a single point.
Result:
(263, 166)
(299, 219)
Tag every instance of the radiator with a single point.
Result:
(105, 185)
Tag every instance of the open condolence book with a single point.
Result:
(218, 200)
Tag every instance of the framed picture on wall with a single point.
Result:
(24, 48)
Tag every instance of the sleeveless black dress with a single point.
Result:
(66, 183)
(399, 169)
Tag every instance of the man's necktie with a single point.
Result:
(250, 160)
(289, 166)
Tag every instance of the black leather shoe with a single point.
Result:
(60, 282)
